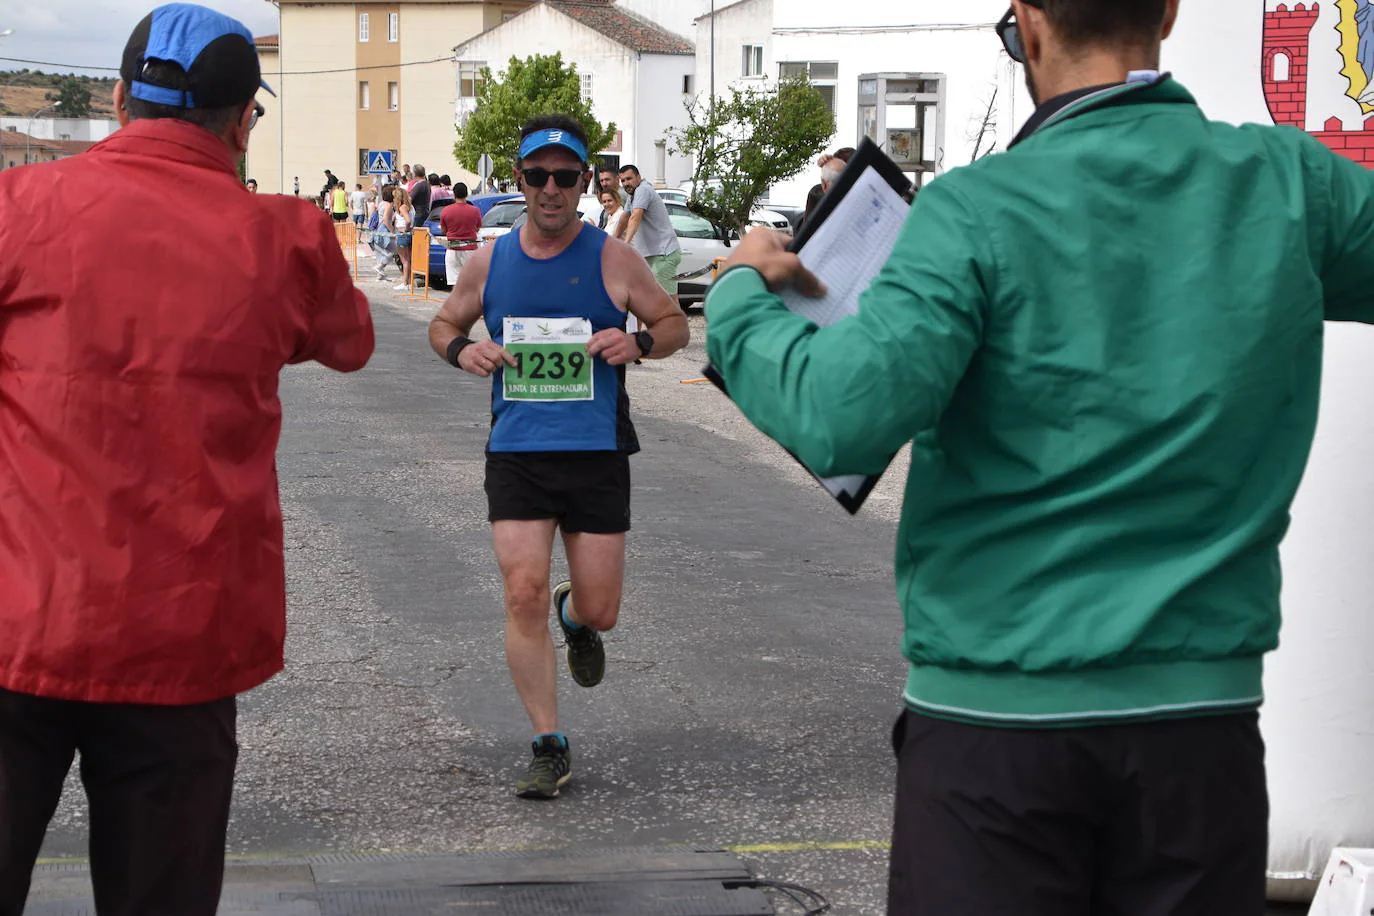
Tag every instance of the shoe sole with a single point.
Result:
(535, 792)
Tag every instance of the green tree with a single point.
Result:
(744, 143)
(75, 97)
(540, 84)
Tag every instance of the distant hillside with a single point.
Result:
(22, 92)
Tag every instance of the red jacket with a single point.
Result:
(147, 305)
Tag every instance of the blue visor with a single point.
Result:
(542, 138)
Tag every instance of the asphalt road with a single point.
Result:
(751, 683)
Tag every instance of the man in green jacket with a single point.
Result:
(1105, 345)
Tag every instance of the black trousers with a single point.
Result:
(1164, 818)
(158, 780)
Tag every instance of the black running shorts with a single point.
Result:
(586, 492)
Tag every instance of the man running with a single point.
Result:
(555, 296)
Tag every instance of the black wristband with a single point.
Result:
(455, 348)
(645, 341)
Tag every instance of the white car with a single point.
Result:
(759, 216)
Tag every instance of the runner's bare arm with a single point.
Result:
(631, 285)
(460, 312)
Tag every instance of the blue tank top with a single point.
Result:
(568, 285)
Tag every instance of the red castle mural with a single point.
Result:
(1287, 37)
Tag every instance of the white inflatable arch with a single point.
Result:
(1318, 716)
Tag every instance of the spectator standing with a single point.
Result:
(606, 181)
(612, 213)
(649, 230)
(252, 185)
(402, 220)
(832, 165)
(439, 189)
(460, 221)
(384, 234)
(419, 192)
(338, 199)
(296, 186)
(141, 548)
(357, 205)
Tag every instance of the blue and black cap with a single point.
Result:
(214, 50)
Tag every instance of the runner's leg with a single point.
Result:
(597, 566)
(523, 549)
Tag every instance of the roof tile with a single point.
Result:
(629, 29)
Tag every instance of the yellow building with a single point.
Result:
(360, 76)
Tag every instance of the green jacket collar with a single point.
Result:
(1163, 89)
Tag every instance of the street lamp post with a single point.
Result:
(28, 137)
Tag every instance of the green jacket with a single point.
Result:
(1106, 345)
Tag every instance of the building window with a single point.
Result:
(470, 78)
(586, 79)
(393, 96)
(824, 75)
(753, 61)
(1281, 62)
(393, 26)
(364, 95)
(362, 26)
(686, 84)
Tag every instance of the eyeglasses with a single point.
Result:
(538, 178)
(258, 111)
(1010, 32)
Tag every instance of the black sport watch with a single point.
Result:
(645, 341)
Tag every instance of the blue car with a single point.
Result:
(438, 278)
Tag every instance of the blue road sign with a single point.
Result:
(380, 162)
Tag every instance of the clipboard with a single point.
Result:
(850, 491)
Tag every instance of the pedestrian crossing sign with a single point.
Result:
(380, 162)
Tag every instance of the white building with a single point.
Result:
(636, 73)
(88, 129)
(950, 42)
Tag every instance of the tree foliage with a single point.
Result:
(75, 97)
(539, 84)
(746, 142)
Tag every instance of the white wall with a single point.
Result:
(661, 107)
(428, 91)
(264, 161)
(54, 128)
(318, 111)
(748, 23)
(673, 15)
(613, 67)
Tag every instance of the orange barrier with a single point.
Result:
(347, 234)
(419, 264)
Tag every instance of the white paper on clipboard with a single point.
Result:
(846, 252)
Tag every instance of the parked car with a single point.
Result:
(759, 216)
(438, 277)
(485, 202)
(702, 242)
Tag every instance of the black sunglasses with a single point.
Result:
(1010, 33)
(564, 178)
(258, 112)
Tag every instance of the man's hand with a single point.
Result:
(483, 358)
(766, 251)
(614, 346)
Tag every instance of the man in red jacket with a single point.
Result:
(141, 576)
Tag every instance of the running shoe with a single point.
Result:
(550, 768)
(586, 654)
